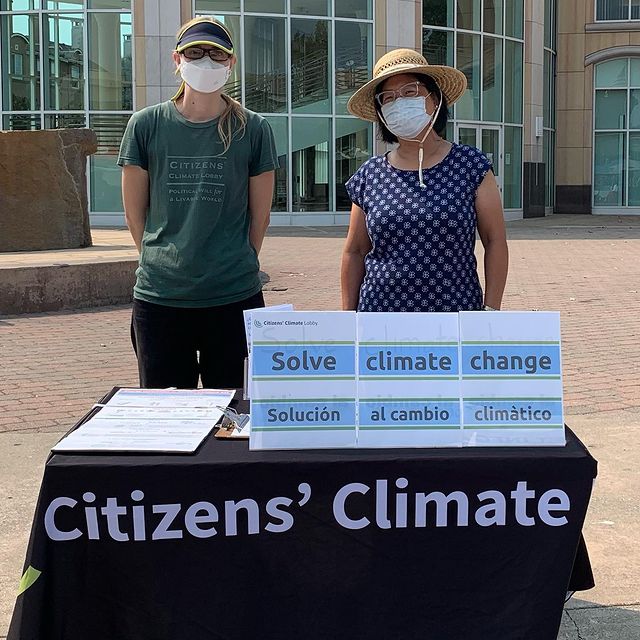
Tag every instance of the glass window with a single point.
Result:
(21, 92)
(265, 6)
(310, 7)
(635, 71)
(468, 54)
(612, 74)
(548, 73)
(110, 4)
(22, 122)
(612, 10)
(69, 5)
(549, 23)
(217, 6)
(512, 167)
(493, 13)
(353, 60)
(514, 18)
(65, 121)
(265, 67)
(437, 46)
(634, 109)
(310, 164)
(492, 80)
(611, 109)
(548, 150)
(437, 13)
(468, 14)
(467, 135)
(16, 65)
(19, 5)
(110, 73)
(310, 66)
(635, 9)
(63, 34)
(448, 133)
(353, 147)
(608, 174)
(281, 133)
(513, 81)
(360, 9)
(490, 145)
(634, 169)
(104, 173)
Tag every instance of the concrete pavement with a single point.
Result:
(55, 365)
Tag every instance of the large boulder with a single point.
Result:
(43, 189)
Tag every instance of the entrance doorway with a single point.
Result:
(486, 138)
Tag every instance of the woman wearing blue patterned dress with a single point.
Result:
(416, 209)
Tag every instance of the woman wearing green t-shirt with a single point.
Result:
(197, 186)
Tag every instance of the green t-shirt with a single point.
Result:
(195, 248)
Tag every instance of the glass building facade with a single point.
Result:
(535, 91)
(70, 64)
(485, 40)
(298, 69)
(616, 177)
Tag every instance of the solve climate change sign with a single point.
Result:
(341, 379)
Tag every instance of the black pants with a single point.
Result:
(175, 346)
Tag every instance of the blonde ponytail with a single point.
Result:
(232, 122)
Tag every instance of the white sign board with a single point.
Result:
(408, 380)
(248, 329)
(511, 373)
(303, 392)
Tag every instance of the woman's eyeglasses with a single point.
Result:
(197, 53)
(409, 90)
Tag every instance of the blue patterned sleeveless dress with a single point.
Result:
(422, 256)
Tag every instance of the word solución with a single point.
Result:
(385, 505)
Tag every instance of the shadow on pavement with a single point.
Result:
(575, 227)
(585, 620)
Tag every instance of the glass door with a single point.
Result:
(489, 140)
(490, 144)
(468, 135)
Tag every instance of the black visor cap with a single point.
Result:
(205, 33)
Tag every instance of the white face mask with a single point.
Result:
(204, 75)
(406, 117)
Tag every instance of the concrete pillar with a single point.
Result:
(158, 22)
(398, 24)
(403, 22)
(106, 42)
(574, 95)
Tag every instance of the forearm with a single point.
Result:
(258, 229)
(135, 197)
(351, 277)
(496, 266)
(135, 221)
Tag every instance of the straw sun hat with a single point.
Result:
(451, 82)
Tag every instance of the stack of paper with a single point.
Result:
(163, 420)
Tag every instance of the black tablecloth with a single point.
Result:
(308, 544)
